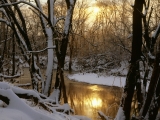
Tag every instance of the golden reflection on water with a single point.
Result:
(94, 88)
(87, 99)
(96, 102)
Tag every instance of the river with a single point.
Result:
(87, 99)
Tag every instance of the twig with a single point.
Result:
(53, 47)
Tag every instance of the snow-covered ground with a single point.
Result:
(93, 78)
(115, 77)
(21, 109)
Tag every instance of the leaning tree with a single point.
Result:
(15, 20)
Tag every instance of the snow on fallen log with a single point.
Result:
(27, 94)
(9, 77)
(16, 103)
(16, 108)
(24, 93)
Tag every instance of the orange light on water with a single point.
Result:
(96, 102)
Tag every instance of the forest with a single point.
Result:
(47, 44)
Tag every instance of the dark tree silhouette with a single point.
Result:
(133, 73)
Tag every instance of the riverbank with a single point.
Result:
(90, 93)
(93, 78)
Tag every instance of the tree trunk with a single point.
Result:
(139, 93)
(153, 110)
(13, 56)
(3, 30)
(61, 54)
(133, 74)
(131, 81)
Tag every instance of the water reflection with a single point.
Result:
(96, 102)
(87, 99)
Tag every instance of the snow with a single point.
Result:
(54, 95)
(155, 33)
(129, 36)
(5, 21)
(120, 114)
(81, 117)
(50, 61)
(67, 21)
(93, 78)
(151, 56)
(102, 114)
(18, 109)
(69, 17)
(13, 114)
(122, 70)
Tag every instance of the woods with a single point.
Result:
(77, 36)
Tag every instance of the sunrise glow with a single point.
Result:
(96, 102)
(94, 10)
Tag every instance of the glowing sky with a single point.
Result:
(91, 1)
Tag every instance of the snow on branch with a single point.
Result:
(58, 19)
(6, 40)
(102, 115)
(18, 2)
(156, 33)
(4, 12)
(124, 48)
(9, 77)
(151, 56)
(23, 85)
(5, 21)
(70, 7)
(53, 47)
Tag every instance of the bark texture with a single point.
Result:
(133, 73)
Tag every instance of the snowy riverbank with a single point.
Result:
(93, 78)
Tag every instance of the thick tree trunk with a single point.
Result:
(137, 31)
(49, 71)
(48, 31)
(133, 74)
(131, 81)
(61, 54)
(61, 60)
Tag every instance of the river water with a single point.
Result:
(87, 99)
